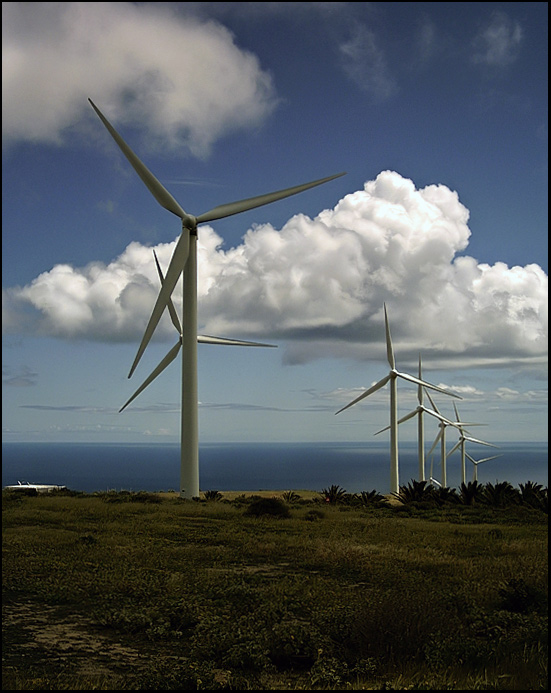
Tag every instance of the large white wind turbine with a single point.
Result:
(392, 378)
(477, 462)
(461, 444)
(184, 259)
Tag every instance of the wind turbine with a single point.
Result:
(184, 259)
(444, 423)
(392, 378)
(419, 410)
(461, 444)
(477, 462)
(173, 353)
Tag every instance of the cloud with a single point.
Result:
(365, 64)
(194, 84)
(320, 284)
(498, 43)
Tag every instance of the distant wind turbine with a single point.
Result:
(461, 445)
(184, 259)
(444, 423)
(392, 378)
(477, 462)
(419, 410)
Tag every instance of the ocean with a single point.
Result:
(250, 467)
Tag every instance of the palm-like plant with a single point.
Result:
(500, 495)
(333, 494)
(470, 493)
(534, 495)
(444, 494)
(373, 498)
(415, 491)
(213, 495)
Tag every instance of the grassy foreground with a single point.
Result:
(143, 591)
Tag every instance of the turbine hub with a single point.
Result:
(189, 222)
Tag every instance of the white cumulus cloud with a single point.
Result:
(194, 83)
(319, 284)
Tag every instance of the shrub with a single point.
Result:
(267, 506)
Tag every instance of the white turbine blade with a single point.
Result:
(456, 413)
(389, 349)
(485, 459)
(420, 387)
(372, 389)
(440, 433)
(170, 305)
(177, 264)
(159, 192)
(455, 447)
(231, 208)
(417, 381)
(480, 442)
(433, 404)
(168, 359)
(207, 339)
(404, 418)
(438, 416)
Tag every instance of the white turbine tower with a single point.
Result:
(184, 259)
(392, 378)
(461, 444)
(477, 462)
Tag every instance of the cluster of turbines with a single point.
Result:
(184, 260)
(420, 410)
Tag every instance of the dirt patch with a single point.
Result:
(46, 637)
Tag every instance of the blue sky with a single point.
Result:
(436, 111)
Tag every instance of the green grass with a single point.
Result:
(149, 592)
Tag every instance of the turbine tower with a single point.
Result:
(392, 378)
(184, 259)
(461, 445)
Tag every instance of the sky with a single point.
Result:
(437, 112)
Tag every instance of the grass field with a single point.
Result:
(271, 591)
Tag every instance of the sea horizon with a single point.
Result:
(354, 466)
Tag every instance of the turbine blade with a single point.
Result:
(433, 404)
(413, 379)
(177, 264)
(231, 208)
(372, 389)
(440, 433)
(404, 418)
(456, 413)
(389, 349)
(159, 192)
(168, 359)
(480, 442)
(420, 387)
(455, 447)
(207, 339)
(170, 305)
